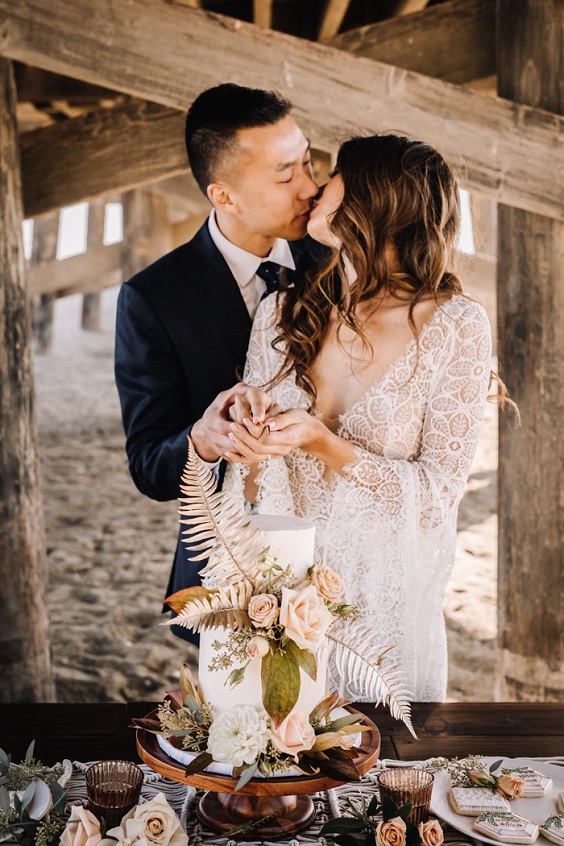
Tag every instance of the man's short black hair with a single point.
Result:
(216, 116)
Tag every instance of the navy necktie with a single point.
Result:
(270, 272)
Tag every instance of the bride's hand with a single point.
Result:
(288, 430)
(251, 408)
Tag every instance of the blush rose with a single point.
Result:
(263, 610)
(328, 583)
(391, 833)
(305, 617)
(84, 833)
(510, 785)
(431, 833)
(294, 734)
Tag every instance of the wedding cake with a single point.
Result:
(272, 620)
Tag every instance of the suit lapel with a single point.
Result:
(220, 293)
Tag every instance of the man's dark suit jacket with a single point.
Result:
(182, 332)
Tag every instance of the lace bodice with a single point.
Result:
(388, 527)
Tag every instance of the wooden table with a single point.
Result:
(87, 732)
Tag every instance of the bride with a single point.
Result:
(377, 370)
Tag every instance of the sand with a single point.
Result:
(110, 548)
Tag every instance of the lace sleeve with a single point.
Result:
(449, 435)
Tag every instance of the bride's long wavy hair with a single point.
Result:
(397, 192)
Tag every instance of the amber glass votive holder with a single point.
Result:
(113, 788)
(405, 785)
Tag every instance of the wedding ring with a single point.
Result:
(268, 457)
(264, 435)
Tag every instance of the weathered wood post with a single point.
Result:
(24, 633)
(531, 328)
(43, 251)
(147, 232)
(95, 238)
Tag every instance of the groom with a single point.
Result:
(183, 324)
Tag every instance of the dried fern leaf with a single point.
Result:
(218, 528)
(221, 608)
(355, 655)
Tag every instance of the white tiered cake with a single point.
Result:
(291, 541)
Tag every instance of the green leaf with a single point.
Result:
(495, 765)
(200, 762)
(280, 684)
(28, 795)
(246, 776)
(412, 836)
(58, 795)
(4, 762)
(341, 825)
(348, 720)
(405, 810)
(29, 753)
(338, 765)
(373, 806)
(237, 675)
(389, 808)
(4, 800)
(305, 659)
(17, 804)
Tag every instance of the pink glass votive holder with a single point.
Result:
(113, 788)
(408, 785)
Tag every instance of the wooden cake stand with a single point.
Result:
(285, 797)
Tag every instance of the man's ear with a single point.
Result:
(221, 198)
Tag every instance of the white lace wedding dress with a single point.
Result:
(388, 527)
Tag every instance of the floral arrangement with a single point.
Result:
(32, 811)
(31, 800)
(252, 743)
(275, 619)
(470, 772)
(361, 826)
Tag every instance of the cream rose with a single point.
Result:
(510, 785)
(481, 778)
(328, 583)
(391, 833)
(257, 647)
(305, 616)
(85, 832)
(263, 610)
(294, 734)
(153, 822)
(431, 833)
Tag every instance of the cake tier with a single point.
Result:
(220, 697)
(291, 540)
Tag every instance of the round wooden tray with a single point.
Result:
(286, 797)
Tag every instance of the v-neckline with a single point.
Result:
(392, 367)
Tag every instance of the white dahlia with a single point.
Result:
(239, 736)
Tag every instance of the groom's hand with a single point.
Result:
(251, 410)
(210, 434)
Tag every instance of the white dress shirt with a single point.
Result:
(244, 265)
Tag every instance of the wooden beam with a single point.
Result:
(94, 270)
(34, 84)
(454, 41)
(409, 7)
(167, 53)
(262, 13)
(24, 634)
(107, 150)
(531, 328)
(333, 16)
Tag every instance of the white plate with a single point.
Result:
(536, 810)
